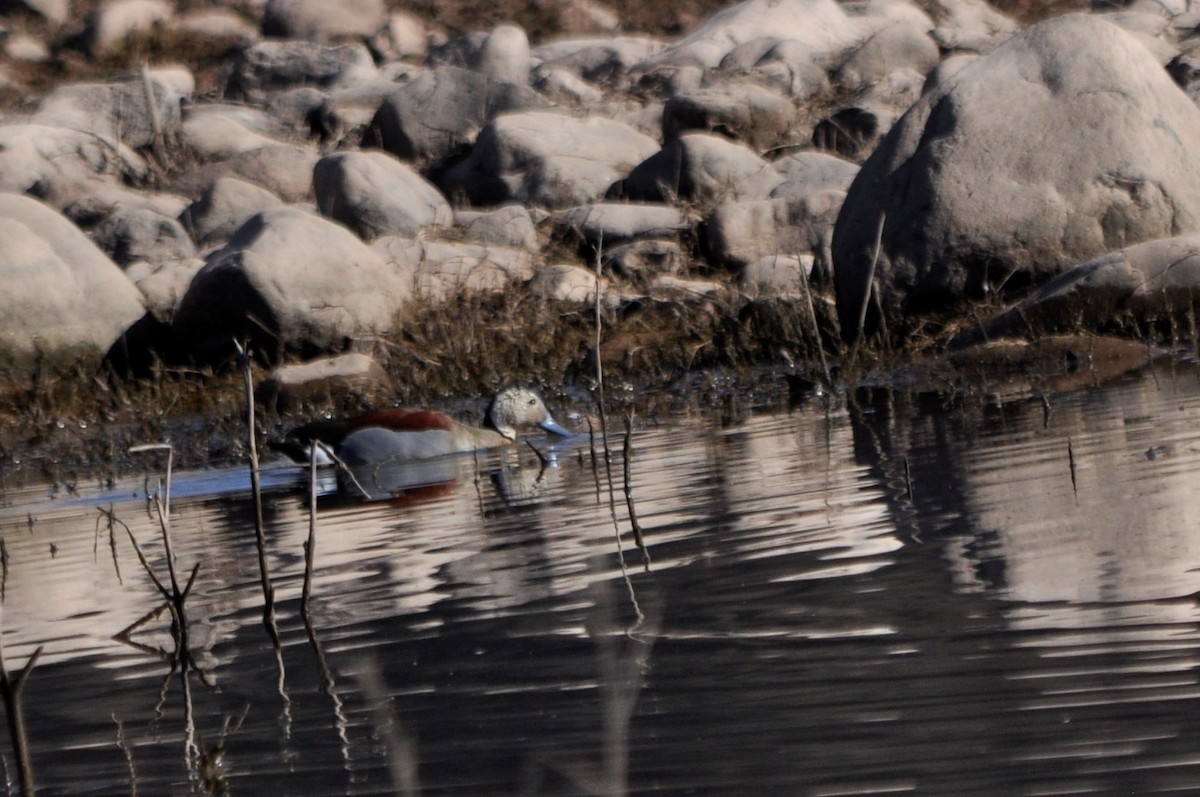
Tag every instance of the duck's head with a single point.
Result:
(517, 408)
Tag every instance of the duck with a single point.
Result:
(398, 435)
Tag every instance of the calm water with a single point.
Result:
(904, 595)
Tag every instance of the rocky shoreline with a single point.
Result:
(386, 210)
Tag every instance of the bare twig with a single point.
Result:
(11, 688)
(633, 519)
(862, 310)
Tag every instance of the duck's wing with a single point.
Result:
(399, 419)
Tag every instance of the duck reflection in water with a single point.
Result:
(389, 451)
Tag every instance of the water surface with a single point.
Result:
(889, 594)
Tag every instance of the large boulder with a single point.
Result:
(62, 294)
(819, 26)
(374, 194)
(699, 167)
(1122, 290)
(223, 208)
(441, 110)
(547, 159)
(320, 20)
(271, 66)
(742, 111)
(1066, 141)
(59, 165)
(137, 111)
(288, 280)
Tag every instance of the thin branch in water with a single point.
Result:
(862, 310)
(12, 688)
(256, 487)
(127, 749)
(812, 317)
(633, 519)
(310, 545)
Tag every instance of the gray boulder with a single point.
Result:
(644, 259)
(218, 131)
(289, 280)
(447, 269)
(163, 283)
(272, 66)
(809, 170)
(223, 208)
(136, 111)
(355, 379)
(132, 234)
(59, 165)
(893, 47)
(781, 276)
(374, 194)
(565, 283)
(742, 233)
(786, 64)
(285, 170)
(113, 22)
(510, 226)
(62, 294)
(320, 20)
(700, 168)
(820, 26)
(1066, 141)
(610, 223)
(546, 159)
(602, 61)
(442, 110)
(1155, 281)
(744, 112)
(504, 56)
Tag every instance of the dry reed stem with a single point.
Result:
(256, 487)
(862, 310)
(633, 519)
(11, 688)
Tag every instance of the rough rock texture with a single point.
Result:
(1066, 141)
(374, 194)
(699, 167)
(547, 159)
(61, 292)
(1148, 282)
(289, 280)
(320, 20)
(223, 208)
(337, 380)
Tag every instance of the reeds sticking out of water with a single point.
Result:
(12, 686)
(268, 589)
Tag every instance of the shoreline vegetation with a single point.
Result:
(63, 417)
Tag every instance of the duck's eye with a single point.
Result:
(532, 402)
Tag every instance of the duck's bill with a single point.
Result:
(551, 425)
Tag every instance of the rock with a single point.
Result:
(1066, 141)
(288, 280)
(565, 283)
(404, 37)
(504, 56)
(107, 199)
(742, 233)
(222, 131)
(600, 61)
(507, 226)
(62, 294)
(562, 86)
(117, 110)
(341, 380)
(283, 169)
(1155, 281)
(132, 234)
(786, 64)
(889, 49)
(447, 269)
(644, 259)
(605, 224)
(970, 25)
(374, 194)
(440, 111)
(819, 26)
(699, 168)
(585, 16)
(322, 21)
(546, 159)
(677, 289)
(741, 111)
(808, 171)
(856, 130)
(114, 21)
(27, 49)
(60, 165)
(271, 66)
(217, 24)
(223, 208)
(55, 11)
(163, 283)
(783, 276)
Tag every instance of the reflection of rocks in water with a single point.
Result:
(1053, 501)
